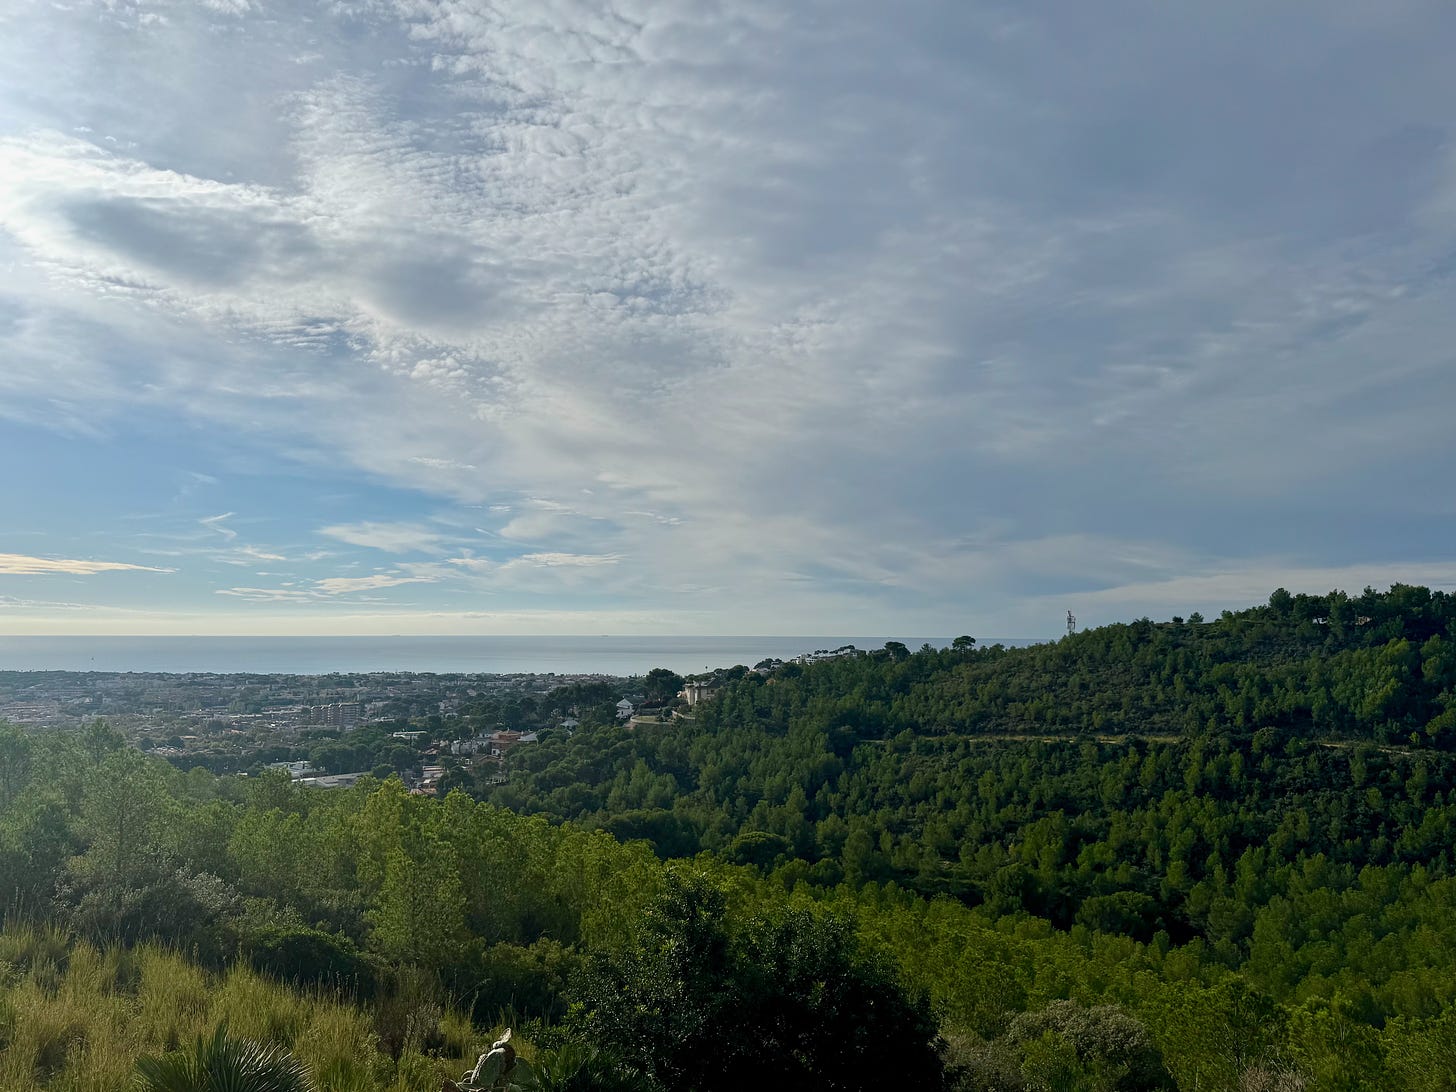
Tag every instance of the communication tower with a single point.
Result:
(1071, 623)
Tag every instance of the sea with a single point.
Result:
(605, 655)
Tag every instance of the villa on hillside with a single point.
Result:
(694, 692)
(296, 770)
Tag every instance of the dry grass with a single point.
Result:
(74, 1018)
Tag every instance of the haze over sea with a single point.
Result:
(606, 655)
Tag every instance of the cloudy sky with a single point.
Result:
(493, 316)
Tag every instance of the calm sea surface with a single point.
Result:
(493, 655)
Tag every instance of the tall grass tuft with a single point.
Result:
(47, 1028)
(255, 1008)
(75, 1017)
(340, 1049)
(173, 1005)
(25, 944)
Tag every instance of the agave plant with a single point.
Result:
(223, 1064)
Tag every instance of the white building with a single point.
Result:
(694, 692)
(298, 769)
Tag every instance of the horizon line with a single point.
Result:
(462, 636)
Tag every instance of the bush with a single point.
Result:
(1101, 1047)
(529, 980)
(310, 956)
(790, 1000)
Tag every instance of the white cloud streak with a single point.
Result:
(394, 538)
(217, 523)
(24, 565)
(346, 585)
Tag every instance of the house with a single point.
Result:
(332, 781)
(501, 742)
(625, 709)
(821, 654)
(296, 770)
(694, 692)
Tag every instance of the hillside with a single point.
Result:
(1189, 854)
(1129, 759)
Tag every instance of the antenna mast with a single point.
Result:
(1071, 623)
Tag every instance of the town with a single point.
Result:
(433, 731)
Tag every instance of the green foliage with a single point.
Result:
(527, 979)
(224, 1064)
(757, 847)
(1067, 1045)
(660, 685)
(1224, 848)
(701, 1004)
(308, 956)
(15, 762)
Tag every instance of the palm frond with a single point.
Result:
(224, 1064)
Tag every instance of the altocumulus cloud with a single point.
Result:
(841, 316)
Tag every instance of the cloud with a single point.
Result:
(1230, 587)
(521, 563)
(24, 565)
(440, 464)
(13, 603)
(270, 595)
(216, 523)
(878, 313)
(253, 553)
(191, 482)
(325, 588)
(551, 560)
(394, 538)
(245, 556)
(345, 585)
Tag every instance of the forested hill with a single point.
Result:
(1379, 666)
(1116, 777)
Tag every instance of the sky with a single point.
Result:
(538, 316)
